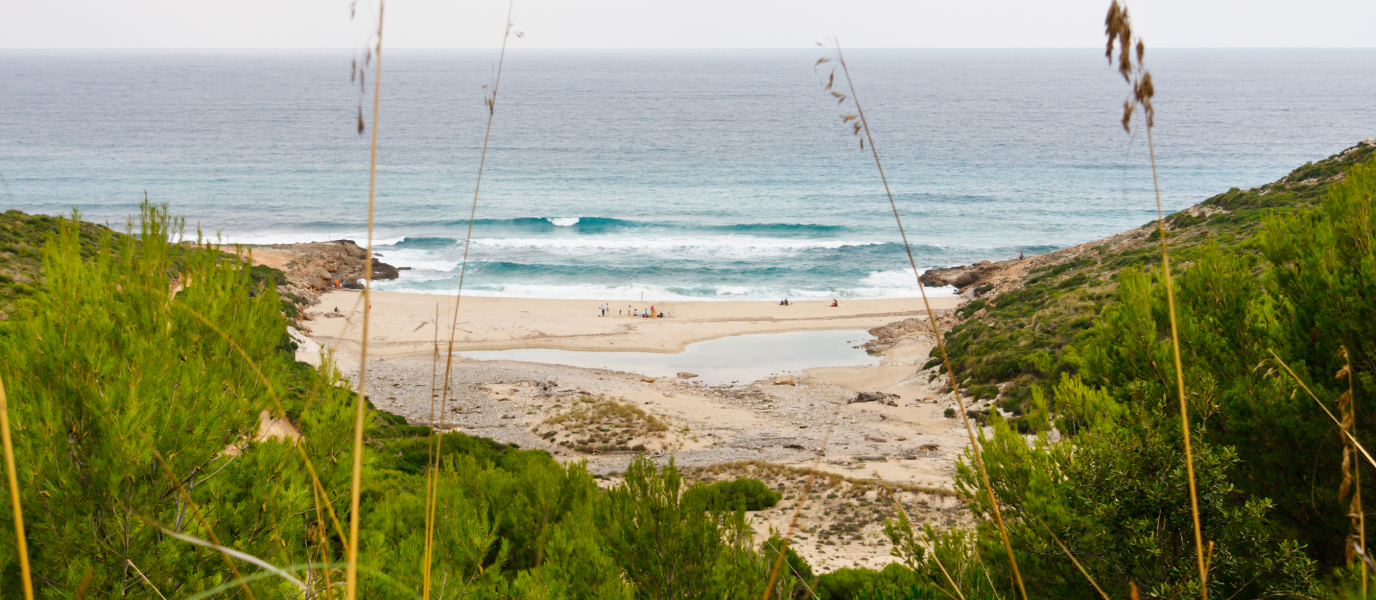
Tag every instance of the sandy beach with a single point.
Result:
(403, 324)
(771, 429)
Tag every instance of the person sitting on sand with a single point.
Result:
(635, 312)
(834, 303)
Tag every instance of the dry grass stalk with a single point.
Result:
(1352, 476)
(1347, 434)
(1072, 558)
(12, 475)
(1118, 28)
(432, 472)
(862, 125)
(351, 570)
(490, 100)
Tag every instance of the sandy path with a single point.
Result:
(404, 324)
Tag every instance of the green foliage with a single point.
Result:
(135, 347)
(740, 494)
(671, 546)
(1265, 457)
(21, 253)
(115, 363)
(1022, 336)
(794, 570)
(932, 561)
(894, 582)
(1118, 498)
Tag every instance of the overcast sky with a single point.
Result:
(681, 23)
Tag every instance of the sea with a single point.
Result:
(663, 174)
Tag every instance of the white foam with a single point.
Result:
(651, 293)
(303, 237)
(563, 221)
(606, 242)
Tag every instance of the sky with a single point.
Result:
(681, 23)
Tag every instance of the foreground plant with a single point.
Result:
(1118, 28)
(351, 553)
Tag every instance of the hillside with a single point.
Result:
(21, 253)
(1026, 312)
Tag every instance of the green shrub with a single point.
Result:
(747, 494)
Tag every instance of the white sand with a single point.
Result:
(403, 324)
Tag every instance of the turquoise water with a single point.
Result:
(677, 174)
(742, 359)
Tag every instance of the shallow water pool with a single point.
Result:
(742, 358)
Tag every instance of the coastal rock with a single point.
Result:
(686, 375)
(889, 335)
(382, 270)
(880, 397)
(316, 266)
(785, 380)
(963, 276)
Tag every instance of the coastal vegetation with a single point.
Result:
(162, 440)
(1016, 333)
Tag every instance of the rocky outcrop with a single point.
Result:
(319, 265)
(889, 335)
(965, 276)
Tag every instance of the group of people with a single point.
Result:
(649, 313)
(834, 303)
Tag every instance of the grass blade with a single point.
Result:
(491, 102)
(244, 556)
(351, 571)
(1118, 27)
(931, 318)
(13, 477)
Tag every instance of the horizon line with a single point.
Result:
(628, 48)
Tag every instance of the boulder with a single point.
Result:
(880, 397)
(963, 276)
(785, 380)
(382, 270)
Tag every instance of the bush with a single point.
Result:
(950, 413)
(856, 583)
(747, 494)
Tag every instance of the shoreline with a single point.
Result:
(404, 323)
